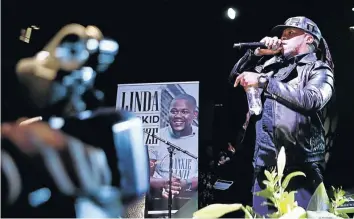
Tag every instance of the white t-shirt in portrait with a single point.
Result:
(183, 165)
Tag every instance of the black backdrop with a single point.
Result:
(169, 40)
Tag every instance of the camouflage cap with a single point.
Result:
(302, 23)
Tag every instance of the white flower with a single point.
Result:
(281, 161)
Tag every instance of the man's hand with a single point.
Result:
(247, 79)
(231, 148)
(165, 193)
(274, 46)
(223, 160)
(176, 186)
(23, 136)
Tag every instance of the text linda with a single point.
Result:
(140, 101)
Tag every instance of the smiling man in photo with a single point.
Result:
(182, 133)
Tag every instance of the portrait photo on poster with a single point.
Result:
(169, 114)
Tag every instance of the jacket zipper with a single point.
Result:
(274, 126)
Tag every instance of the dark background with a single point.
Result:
(174, 40)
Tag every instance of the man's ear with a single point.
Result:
(309, 39)
(195, 114)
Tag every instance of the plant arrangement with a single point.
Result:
(320, 206)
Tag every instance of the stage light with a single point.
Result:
(39, 197)
(231, 13)
(87, 73)
(92, 45)
(109, 46)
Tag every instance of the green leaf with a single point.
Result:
(343, 215)
(319, 200)
(250, 210)
(289, 177)
(266, 182)
(287, 202)
(341, 192)
(247, 212)
(341, 202)
(338, 194)
(265, 193)
(274, 215)
(272, 199)
(269, 176)
(277, 178)
(216, 210)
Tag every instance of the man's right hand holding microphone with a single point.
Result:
(273, 44)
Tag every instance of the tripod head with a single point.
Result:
(62, 75)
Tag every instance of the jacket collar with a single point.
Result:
(302, 58)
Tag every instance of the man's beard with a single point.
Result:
(290, 53)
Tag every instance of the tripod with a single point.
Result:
(171, 149)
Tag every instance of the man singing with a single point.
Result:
(295, 88)
(182, 133)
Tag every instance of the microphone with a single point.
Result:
(250, 45)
